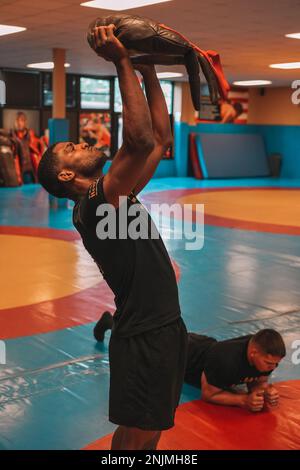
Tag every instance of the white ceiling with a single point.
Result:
(249, 34)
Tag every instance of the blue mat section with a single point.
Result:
(54, 387)
(28, 205)
(232, 155)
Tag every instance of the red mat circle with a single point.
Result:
(201, 426)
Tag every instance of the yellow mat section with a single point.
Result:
(37, 269)
(281, 207)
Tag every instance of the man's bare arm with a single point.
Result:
(253, 401)
(160, 124)
(138, 141)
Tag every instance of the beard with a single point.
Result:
(93, 164)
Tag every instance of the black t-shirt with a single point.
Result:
(138, 271)
(224, 363)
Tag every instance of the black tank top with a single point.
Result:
(138, 271)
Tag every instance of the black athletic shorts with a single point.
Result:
(146, 377)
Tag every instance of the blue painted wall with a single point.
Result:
(278, 139)
(285, 140)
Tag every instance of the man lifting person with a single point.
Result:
(148, 344)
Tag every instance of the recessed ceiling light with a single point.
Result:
(7, 29)
(44, 65)
(119, 5)
(293, 35)
(286, 66)
(169, 74)
(252, 82)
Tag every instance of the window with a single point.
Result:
(118, 99)
(94, 93)
(48, 93)
(120, 131)
(47, 90)
(167, 88)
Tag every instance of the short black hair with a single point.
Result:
(238, 108)
(48, 170)
(270, 342)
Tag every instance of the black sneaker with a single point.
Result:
(105, 323)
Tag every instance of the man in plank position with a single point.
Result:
(218, 366)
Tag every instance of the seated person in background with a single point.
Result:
(28, 148)
(229, 112)
(218, 366)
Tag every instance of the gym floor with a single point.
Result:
(54, 386)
